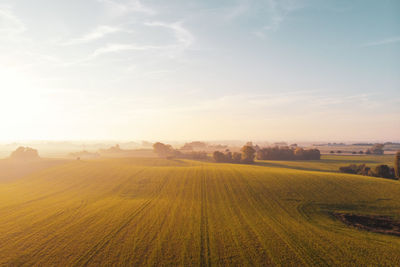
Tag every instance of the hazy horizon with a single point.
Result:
(200, 70)
(182, 141)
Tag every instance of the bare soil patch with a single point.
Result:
(373, 223)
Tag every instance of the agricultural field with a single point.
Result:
(150, 211)
(11, 170)
(331, 163)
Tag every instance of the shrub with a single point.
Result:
(384, 171)
(348, 169)
(397, 164)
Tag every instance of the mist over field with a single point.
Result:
(199, 133)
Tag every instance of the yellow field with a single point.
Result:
(10, 170)
(172, 212)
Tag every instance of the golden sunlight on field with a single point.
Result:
(179, 212)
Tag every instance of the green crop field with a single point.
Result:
(331, 163)
(173, 212)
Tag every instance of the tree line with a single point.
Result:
(25, 153)
(382, 170)
(288, 153)
(246, 155)
(376, 149)
(167, 151)
(249, 152)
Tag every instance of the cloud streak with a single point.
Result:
(383, 42)
(118, 9)
(10, 24)
(114, 48)
(276, 13)
(98, 33)
(184, 37)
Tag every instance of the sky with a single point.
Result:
(200, 70)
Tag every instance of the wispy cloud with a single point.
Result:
(184, 37)
(276, 13)
(237, 10)
(383, 42)
(10, 24)
(121, 8)
(98, 33)
(114, 48)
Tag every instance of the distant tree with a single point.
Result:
(198, 144)
(288, 153)
(356, 169)
(299, 153)
(228, 156)
(339, 151)
(312, 154)
(397, 164)
(393, 173)
(248, 154)
(353, 152)
(365, 170)
(383, 171)
(249, 144)
(187, 147)
(377, 149)
(219, 156)
(368, 152)
(163, 150)
(361, 152)
(236, 157)
(25, 153)
(195, 145)
(352, 168)
(332, 152)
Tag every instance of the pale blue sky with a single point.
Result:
(130, 69)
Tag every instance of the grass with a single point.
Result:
(175, 212)
(331, 162)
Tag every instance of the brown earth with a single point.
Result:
(373, 223)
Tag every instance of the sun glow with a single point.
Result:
(22, 104)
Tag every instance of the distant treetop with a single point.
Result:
(25, 153)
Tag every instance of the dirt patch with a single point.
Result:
(377, 224)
